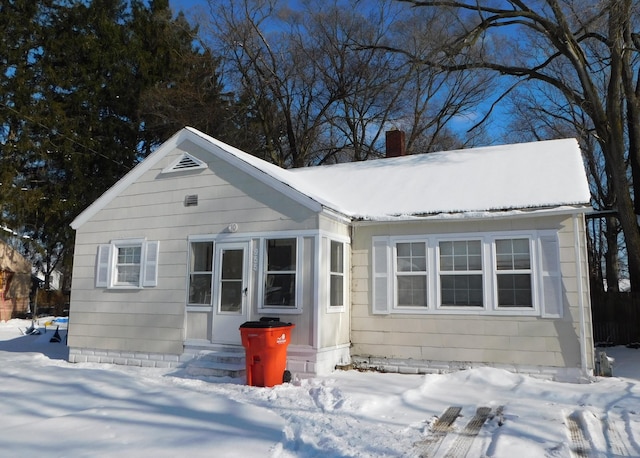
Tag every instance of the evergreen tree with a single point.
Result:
(72, 114)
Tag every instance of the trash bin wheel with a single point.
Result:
(286, 376)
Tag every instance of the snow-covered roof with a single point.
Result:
(547, 174)
(525, 176)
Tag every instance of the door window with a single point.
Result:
(231, 271)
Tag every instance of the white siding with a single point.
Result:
(335, 325)
(500, 340)
(153, 319)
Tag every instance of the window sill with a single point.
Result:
(477, 312)
(124, 287)
(199, 308)
(279, 311)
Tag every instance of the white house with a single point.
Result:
(412, 263)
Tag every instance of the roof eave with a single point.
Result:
(479, 215)
(129, 178)
(206, 142)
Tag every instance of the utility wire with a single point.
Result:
(88, 148)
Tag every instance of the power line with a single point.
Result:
(76, 142)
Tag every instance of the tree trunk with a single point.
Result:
(626, 214)
(612, 266)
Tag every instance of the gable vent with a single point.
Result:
(191, 200)
(186, 162)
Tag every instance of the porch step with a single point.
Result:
(217, 363)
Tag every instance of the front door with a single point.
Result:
(230, 291)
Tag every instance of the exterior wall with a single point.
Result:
(336, 321)
(303, 333)
(322, 340)
(152, 320)
(15, 282)
(439, 340)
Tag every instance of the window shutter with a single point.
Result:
(151, 264)
(381, 301)
(552, 304)
(102, 266)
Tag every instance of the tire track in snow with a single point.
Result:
(580, 446)
(441, 427)
(462, 444)
(583, 434)
(615, 441)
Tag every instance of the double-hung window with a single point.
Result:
(126, 264)
(127, 268)
(336, 274)
(280, 272)
(200, 273)
(461, 273)
(411, 274)
(513, 272)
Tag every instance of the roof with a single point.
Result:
(525, 176)
(12, 261)
(496, 178)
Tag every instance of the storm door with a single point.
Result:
(230, 291)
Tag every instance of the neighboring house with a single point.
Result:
(55, 278)
(15, 283)
(417, 263)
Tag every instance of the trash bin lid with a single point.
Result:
(265, 324)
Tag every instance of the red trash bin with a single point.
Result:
(265, 343)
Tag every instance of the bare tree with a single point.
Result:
(438, 105)
(323, 86)
(369, 82)
(585, 50)
(278, 79)
(538, 112)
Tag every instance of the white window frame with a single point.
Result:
(530, 271)
(200, 272)
(331, 273)
(127, 266)
(107, 264)
(544, 262)
(397, 272)
(263, 308)
(482, 273)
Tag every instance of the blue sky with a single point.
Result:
(184, 5)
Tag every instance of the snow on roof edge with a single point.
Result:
(479, 214)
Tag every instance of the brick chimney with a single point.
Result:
(395, 145)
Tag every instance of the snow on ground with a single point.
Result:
(51, 408)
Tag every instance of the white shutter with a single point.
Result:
(552, 303)
(103, 266)
(381, 295)
(151, 264)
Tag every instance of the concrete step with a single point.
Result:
(221, 363)
(201, 369)
(229, 357)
